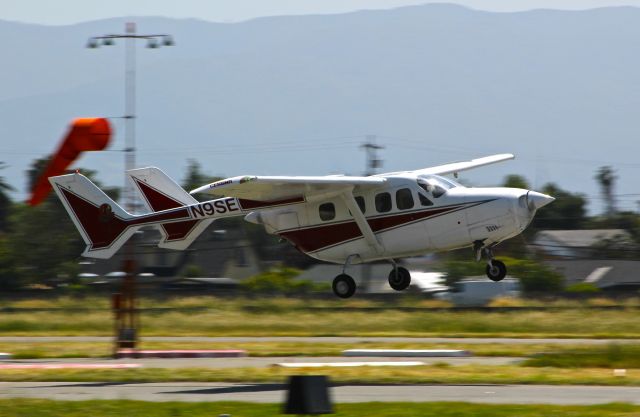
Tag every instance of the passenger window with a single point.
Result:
(360, 201)
(424, 200)
(327, 211)
(404, 199)
(383, 202)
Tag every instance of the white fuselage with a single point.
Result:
(409, 216)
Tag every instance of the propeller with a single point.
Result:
(537, 200)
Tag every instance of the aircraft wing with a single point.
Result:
(269, 188)
(465, 165)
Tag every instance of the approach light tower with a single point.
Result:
(372, 164)
(124, 304)
(130, 36)
(371, 148)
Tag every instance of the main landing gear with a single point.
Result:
(399, 278)
(344, 285)
(496, 270)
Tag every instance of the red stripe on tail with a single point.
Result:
(159, 201)
(99, 223)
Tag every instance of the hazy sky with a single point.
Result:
(62, 12)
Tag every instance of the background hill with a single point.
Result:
(296, 95)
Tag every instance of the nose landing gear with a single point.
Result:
(496, 270)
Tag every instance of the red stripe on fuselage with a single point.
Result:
(255, 204)
(160, 201)
(315, 238)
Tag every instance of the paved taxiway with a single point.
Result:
(275, 393)
(338, 339)
(253, 362)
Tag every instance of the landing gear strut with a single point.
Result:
(344, 286)
(496, 270)
(399, 278)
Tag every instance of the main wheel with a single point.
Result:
(344, 286)
(496, 271)
(401, 280)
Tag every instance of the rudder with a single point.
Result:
(103, 224)
(159, 192)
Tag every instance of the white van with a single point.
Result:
(479, 291)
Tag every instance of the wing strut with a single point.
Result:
(361, 221)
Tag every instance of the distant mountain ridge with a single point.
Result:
(297, 94)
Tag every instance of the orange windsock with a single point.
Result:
(85, 134)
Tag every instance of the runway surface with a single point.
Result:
(275, 393)
(341, 340)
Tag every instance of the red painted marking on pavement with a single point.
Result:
(70, 366)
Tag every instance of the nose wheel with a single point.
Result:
(496, 270)
(399, 278)
(344, 286)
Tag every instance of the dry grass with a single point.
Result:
(208, 316)
(119, 408)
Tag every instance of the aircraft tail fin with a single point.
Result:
(103, 224)
(159, 192)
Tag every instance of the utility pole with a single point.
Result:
(372, 163)
(371, 149)
(124, 303)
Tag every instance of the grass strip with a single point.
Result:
(234, 321)
(439, 373)
(610, 356)
(105, 408)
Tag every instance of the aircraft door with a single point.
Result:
(287, 220)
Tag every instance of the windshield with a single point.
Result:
(437, 186)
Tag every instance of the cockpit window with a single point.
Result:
(424, 200)
(436, 186)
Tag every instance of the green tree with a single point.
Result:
(606, 179)
(279, 280)
(535, 277)
(5, 201)
(516, 181)
(196, 178)
(44, 241)
(568, 211)
(10, 276)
